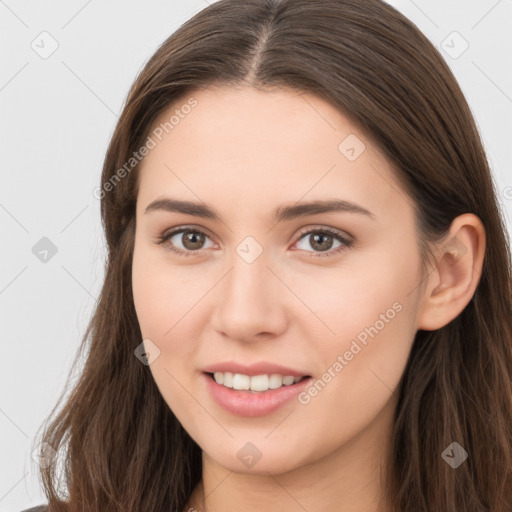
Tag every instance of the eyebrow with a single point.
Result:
(282, 213)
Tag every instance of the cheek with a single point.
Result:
(160, 294)
(359, 379)
(361, 366)
(363, 292)
(370, 312)
(163, 306)
(167, 304)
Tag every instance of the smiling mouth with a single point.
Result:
(255, 383)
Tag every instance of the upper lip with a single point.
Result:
(258, 368)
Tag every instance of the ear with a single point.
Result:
(452, 282)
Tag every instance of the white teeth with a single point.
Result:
(259, 383)
(242, 382)
(276, 381)
(228, 380)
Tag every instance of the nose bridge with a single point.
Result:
(248, 280)
(250, 299)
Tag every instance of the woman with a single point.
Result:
(307, 299)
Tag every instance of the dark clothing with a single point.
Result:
(39, 508)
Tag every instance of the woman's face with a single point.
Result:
(272, 285)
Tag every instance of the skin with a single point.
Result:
(246, 151)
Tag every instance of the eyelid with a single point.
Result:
(187, 227)
(345, 238)
(333, 231)
(302, 231)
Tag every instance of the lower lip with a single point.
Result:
(253, 404)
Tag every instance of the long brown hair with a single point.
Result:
(120, 446)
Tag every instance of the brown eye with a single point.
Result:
(192, 240)
(188, 241)
(322, 240)
(185, 241)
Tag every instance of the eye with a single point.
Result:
(321, 239)
(192, 241)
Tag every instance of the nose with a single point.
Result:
(251, 301)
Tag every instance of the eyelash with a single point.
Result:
(346, 243)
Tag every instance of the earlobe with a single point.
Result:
(454, 278)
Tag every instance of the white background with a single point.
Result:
(57, 115)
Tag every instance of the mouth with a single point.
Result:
(255, 384)
(254, 395)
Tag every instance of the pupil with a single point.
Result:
(190, 237)
(315, 238)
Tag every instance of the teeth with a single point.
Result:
(275, 381)
(259, 382)
(227, 380)
(242, 382)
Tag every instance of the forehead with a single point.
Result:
(272, 120)
(246, 145)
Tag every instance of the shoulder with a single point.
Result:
(39, 508)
